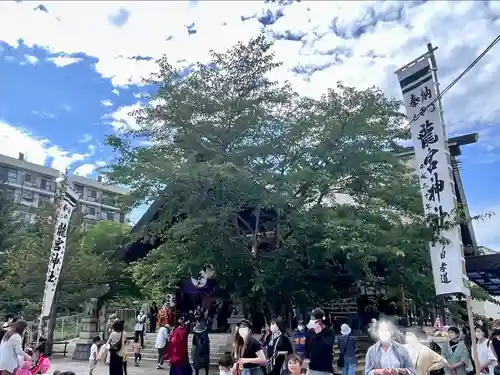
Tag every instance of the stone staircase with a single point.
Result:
(345, 310)
(219, 344)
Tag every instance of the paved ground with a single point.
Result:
(81, 368)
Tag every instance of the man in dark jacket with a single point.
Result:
(318, 351)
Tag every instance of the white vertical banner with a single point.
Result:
(65, 209)
(435, 174)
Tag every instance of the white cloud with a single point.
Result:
(85, 170)
(367, 59)
(121, 118)
(44, 114)
(86, 138)
(29, 59)
(63, 61)
(107, 103)
(36, 150)
(67, 107)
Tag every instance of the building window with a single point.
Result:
(92, 194)
(91, 211)
(110, 216)
(28, 178)
(78, 189)
(28, 196)
(12, 175)
(43, 201)
(108, 199)
(11, 194)
(45, 184)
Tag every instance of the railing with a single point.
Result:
(67, 327)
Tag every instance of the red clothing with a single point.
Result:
(178, 346)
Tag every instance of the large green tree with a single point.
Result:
(283, 195)
(88, 267)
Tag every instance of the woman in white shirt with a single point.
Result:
(486, 357)
(11, 348)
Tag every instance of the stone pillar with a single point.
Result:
(103, 318)
(89, 329)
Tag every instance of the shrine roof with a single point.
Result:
(484, 270)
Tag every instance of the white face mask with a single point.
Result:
(243, 332)
(479, 335)
(384, 336)
(311, 324)
(274, 328)
(301, 328)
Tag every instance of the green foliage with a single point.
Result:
(254, 179)
(480, 294)
(88, 267)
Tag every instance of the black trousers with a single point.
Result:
(161, 354)
(152, 324)
(197, 371)
(115, 364)
(124, 367)
(140, 335)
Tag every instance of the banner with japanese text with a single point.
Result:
(435, 174)
(66, 208)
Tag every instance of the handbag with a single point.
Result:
(270, 361)
(341, 360)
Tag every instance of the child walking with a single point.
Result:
(137, 352)
(94, 349)
(225, 364)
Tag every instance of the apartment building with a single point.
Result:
(31, 186)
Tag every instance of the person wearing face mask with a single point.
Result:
(347, 347)
(424, 359)
(247, 350)
(456, 354)
(386, 356)
(279, 347)
(485, 356)
(299, 338)
(318, 351)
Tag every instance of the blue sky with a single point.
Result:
(70, 72)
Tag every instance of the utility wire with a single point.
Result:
(453, 83)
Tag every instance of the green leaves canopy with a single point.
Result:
(87, 269)
(227, 140)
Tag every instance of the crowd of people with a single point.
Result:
(310, 349)
(16, 355)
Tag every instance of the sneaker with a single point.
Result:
(159, 367)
